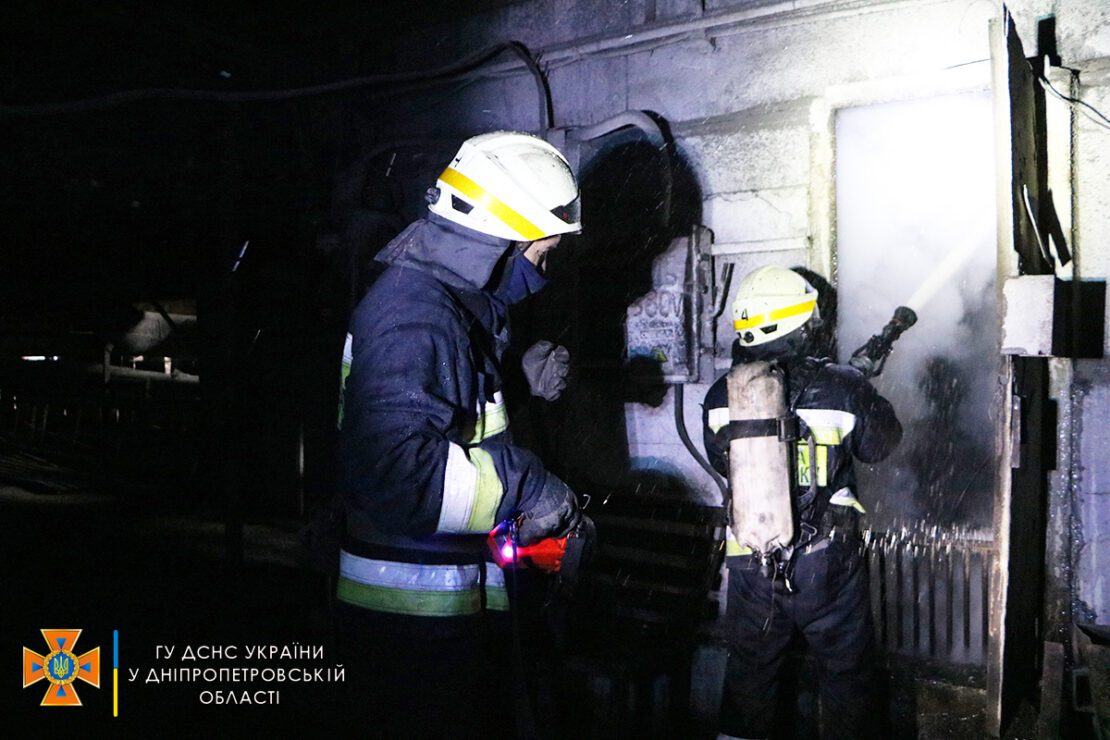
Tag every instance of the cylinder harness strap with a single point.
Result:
(786, 428)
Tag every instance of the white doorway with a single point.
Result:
(915, 184)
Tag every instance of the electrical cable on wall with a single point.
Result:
(463, 67)
(1080, 105)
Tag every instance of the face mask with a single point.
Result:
(519, 279)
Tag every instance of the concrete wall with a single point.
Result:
(747, 88)
(1091, 391)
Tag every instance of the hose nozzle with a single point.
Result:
(871, 357)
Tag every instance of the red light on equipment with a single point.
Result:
(544, 555)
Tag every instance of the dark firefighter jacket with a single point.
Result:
(425, 460)
(846, 417)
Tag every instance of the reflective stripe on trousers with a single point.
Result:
(419, 589)
(497, 598)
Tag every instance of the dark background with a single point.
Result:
(138, 199)
(149, 529)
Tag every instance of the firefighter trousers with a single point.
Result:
(830, 608)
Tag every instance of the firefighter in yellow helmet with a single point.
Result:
(815, 583)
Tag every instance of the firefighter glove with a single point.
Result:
(545, 366)
(553, 513)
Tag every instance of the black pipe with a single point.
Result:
(680, 424)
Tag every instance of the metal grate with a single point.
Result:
(930, 593)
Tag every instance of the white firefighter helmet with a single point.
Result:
(511, 185)
(772, 302)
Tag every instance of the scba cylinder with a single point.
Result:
(759, 457)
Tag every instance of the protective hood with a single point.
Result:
(517, 279)
(453, 254)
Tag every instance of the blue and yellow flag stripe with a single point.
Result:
(115, 673)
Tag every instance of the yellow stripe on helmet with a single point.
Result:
(495, 206)
(777, 315)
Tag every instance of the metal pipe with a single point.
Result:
(655, 134)
(967, 599)
(949, 592)
(898, 578)
(786, 13)
(932, 580)
(774, 15)
(884, 554)
(875, 583)
(985, 557)
(636, 118)
(916, 581)
(684, 435)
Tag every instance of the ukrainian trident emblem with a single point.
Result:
(61, 667)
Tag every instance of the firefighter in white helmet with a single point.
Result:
(427, 464)
(815, 583)
(773, 303)
(510, 185)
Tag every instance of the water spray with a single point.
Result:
(871, 357)
(953, 262)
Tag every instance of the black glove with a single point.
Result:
(545, 366)
(552, 513)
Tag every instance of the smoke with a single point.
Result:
(916, 220)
